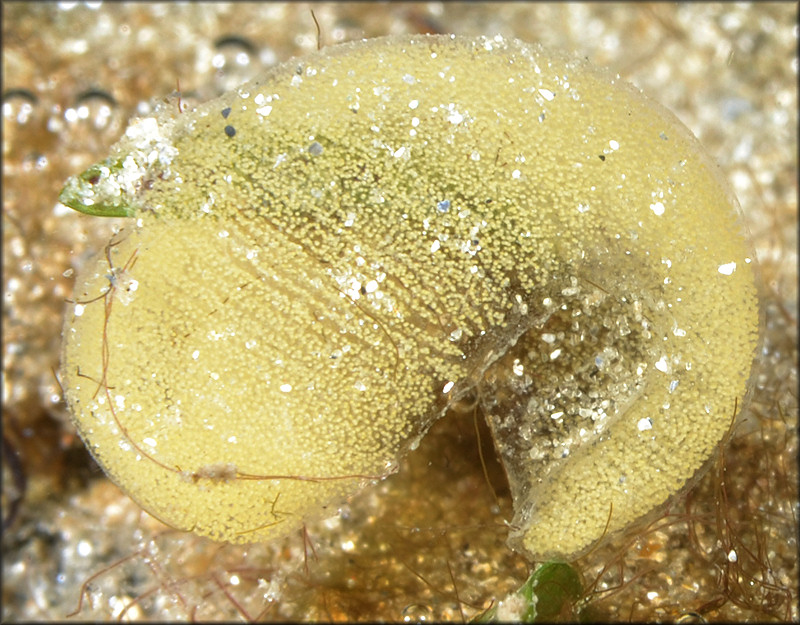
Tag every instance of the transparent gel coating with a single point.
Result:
(326, 258)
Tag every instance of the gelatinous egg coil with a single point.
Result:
(328, 257)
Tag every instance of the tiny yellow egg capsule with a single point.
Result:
(328, 257)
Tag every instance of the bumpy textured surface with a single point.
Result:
(327, 257)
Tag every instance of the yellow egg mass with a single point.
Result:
(326, 258)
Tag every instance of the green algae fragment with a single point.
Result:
(547, 596)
